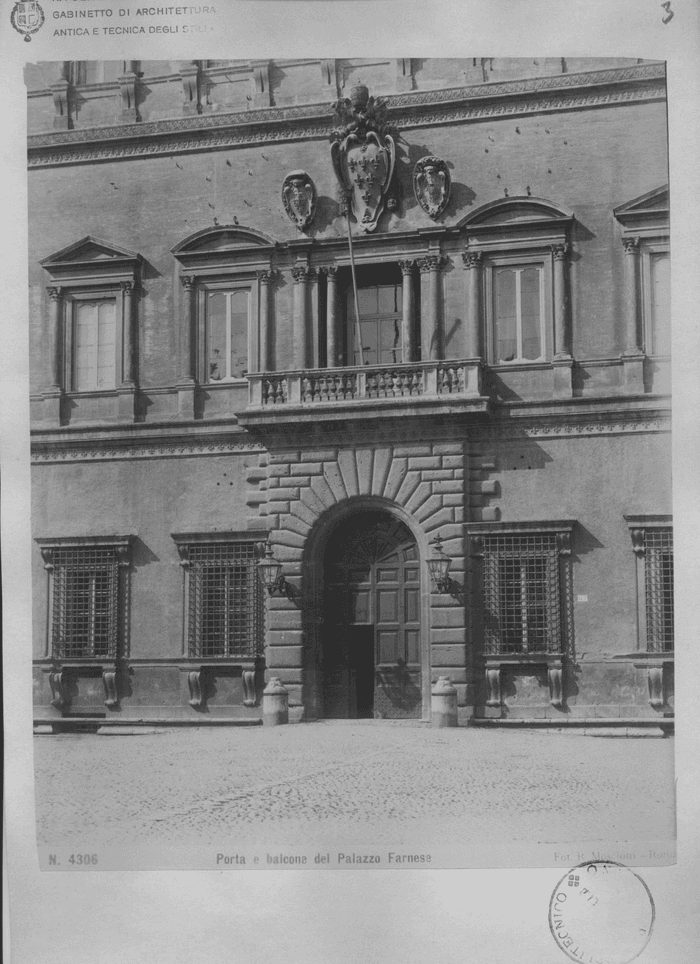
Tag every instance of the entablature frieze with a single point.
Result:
(64, 446)
(637, 83)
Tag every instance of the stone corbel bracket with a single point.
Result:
(60, 699)
(556, 691)
(196, 685)
(109, 681)
(249, 694)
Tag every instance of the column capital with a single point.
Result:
(301, 272)
(329, 269)
(127, 285)
(187, 281)
(433, 262)
(267, 277)
(560, 251)
(407, 266)
(631, 245)
(472, 259)
(54, 292)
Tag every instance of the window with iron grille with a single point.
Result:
(525, 586)
(88, 598)
(225, 600)
(522, 594)
(658, 571)
(652, 543)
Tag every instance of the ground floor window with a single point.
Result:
(224, 599)
(88, 598)
(525, 585)
(658, 572)
(652, 543)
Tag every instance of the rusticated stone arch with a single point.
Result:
(305, 491)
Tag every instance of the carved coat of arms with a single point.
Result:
(299, 198)
(432, 185)
(27, 17)
(364, 155)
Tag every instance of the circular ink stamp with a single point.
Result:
(601, 912)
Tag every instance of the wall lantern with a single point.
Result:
(270, 572)
(439, 566)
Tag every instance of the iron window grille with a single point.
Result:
(652, 543)
(88, 598)
(658, 576)
(526, 587)
(226, 607)
(522, 595)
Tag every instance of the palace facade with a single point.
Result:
(352, 374)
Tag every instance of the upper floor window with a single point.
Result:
(87, 596)
(518, 313)
(227, 300)
(381, 308)
(517, 256)
(94, 337)
(644, 231)
(97, 71)
(91, 324)
(656, 299)
(227, 333)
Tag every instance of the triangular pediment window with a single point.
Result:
(87, 251)
(646, 214)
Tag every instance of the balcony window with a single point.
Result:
(380, 325)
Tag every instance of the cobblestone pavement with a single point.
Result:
(356, 781)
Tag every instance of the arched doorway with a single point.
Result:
(371, 647)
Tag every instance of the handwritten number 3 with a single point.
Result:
(669, 12)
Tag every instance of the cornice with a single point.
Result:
(59, 447)
(642, 82)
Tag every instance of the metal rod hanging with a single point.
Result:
(358, 327)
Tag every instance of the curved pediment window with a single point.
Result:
(233, 239)
(225, 275)
(517, 219)
(516, 249)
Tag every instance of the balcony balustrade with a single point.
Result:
(372, 391)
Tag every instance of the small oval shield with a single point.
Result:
(299, 198)
(432, 185)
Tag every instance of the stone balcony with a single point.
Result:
(374, 391)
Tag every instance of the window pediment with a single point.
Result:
(226, 244)
(645, 214)
(526, 220)
(92, 258)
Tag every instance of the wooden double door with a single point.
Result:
(371, 648)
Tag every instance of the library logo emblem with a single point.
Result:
(27, 17)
